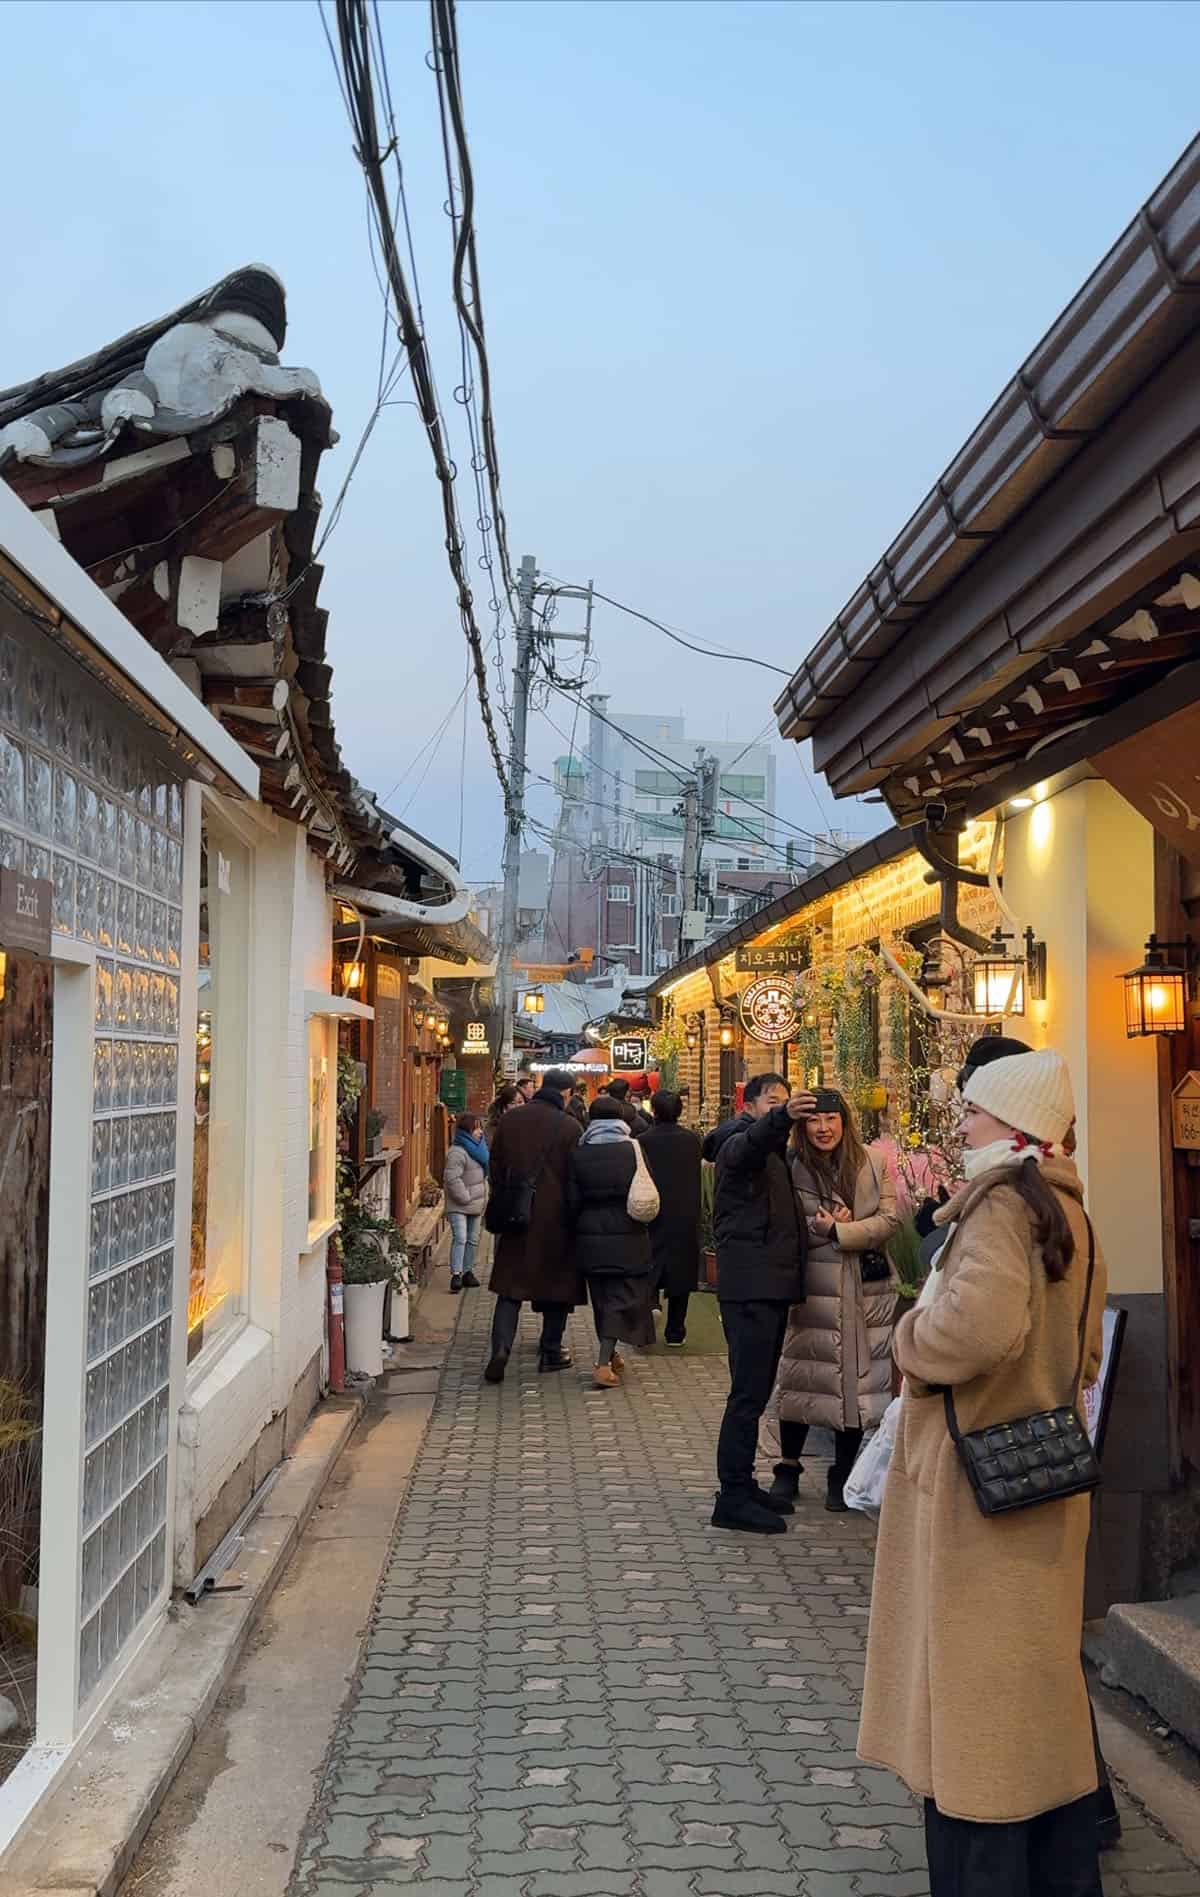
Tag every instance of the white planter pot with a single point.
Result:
(364, 1328)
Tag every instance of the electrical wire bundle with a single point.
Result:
(360, 62)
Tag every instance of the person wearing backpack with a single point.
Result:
(527, 1215)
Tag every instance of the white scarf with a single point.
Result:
(1013, 1151)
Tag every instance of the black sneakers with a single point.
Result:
(496, 1368)
(469, 1281)
(746, 1513)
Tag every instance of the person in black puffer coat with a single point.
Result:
(611, 1249)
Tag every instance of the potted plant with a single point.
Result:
(708, 1243)
(371, 1249)
(376, 1121)
(872, 1096)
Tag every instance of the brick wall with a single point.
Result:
(878, 907)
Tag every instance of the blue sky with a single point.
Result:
(751, 273)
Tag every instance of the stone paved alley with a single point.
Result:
(574, 1687)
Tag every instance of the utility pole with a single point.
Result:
(514, 815)
(689, 866)
(514, 820)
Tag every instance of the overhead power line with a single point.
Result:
(705, 651)
(361, 59)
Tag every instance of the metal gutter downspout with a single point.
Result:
(948, 872)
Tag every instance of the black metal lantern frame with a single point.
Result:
(1158, 993)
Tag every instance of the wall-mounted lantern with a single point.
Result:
(1156, 994)
(535, 1002)
(1002, 981)
(726, 1030)
(352, 977)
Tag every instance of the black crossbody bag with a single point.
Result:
(511, 1208)
(1040, 1458)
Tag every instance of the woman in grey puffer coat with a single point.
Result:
(836, 1368)
(465, 1180)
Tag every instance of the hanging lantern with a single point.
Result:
(999, 979)
(535, 1002)
(691, 1038)
(726, 1030)
(418, 1017)
(1156, 994)
(352, 977)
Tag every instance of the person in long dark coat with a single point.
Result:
(673, 1155)
(610, 1248)
(535, 1266)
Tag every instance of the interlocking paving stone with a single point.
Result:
(573, 1686)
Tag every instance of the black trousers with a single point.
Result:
(508, 1312)
(754, 1334)
(1054, 1855)
(846, 1445)
(677, 1310)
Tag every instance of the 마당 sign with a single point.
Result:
(1185, 1113)
(628, 1054)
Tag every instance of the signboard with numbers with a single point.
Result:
(771, 957)
(628, 1054)
(1185, 1113)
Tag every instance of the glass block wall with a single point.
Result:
(86, 803)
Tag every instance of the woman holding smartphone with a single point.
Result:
(836, 1367)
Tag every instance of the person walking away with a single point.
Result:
(618, 1090)
(609, 1247)
(577, 1105)
(533, 1265)
(836, 1368)
(762, 1246)
(985, 1715)
(507, 1098)
(672, 1153)
(465, 1180)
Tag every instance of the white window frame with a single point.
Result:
(247, 834)
(327, 1008)
(620, 892)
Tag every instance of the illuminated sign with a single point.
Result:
(477, 1040)
(628, 1054)
(768, 1010)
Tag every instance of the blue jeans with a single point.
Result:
(464, 1236)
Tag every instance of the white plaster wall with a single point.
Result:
(1079, 867)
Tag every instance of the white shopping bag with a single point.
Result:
(866, 1481)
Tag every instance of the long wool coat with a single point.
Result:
(672, 1153)
(536, 1265)
(974, 1690)
(836, 1367)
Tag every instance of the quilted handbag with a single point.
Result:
(1040, 1458)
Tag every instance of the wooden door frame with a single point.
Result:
(1180, 1194)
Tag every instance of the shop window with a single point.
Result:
(322, 1074)
(222, 1034)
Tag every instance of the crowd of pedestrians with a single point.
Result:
(975, 1694)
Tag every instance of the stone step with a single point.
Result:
(1154, 1649)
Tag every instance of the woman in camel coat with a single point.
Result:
(974, 1690)
(836, 1368)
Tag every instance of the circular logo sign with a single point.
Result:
(768, 1009)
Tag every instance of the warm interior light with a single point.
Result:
(352, 976)
(1020, 803)
(691, 1040)
(726, 1034)
(999, 982)
(1156, 994)
(201, 1305)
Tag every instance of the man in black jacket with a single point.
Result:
(762, 1247)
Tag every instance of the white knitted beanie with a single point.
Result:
(1031, 1092)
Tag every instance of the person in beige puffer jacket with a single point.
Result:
(836, 1368)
